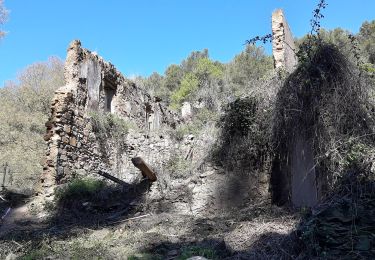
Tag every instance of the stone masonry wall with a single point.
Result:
(95, 86)
(283, 46)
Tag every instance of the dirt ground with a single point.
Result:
(260, 231)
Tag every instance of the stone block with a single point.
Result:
(73, 141)
(65, 139)
(67, 129)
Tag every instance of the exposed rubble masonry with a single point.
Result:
(95, 86)
(283, 47)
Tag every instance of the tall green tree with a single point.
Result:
(250, 65)
(201, 80)
(188, 85)
(338, 37)
(191, 62)
(173, 77)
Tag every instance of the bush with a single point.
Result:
(80, 189)
(188, 85)
(178, 166)
(238, 118)
(244, 142)
(194, 127)
(108, 125)
(25, 107)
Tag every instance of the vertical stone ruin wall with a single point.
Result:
(294, 178)
(283, 47)
(95, 86)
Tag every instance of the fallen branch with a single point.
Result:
(112, 178)
(6, 213)
(138, 217)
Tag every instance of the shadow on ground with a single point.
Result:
(109, 206)
(268, 246)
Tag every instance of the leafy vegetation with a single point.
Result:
(327, 99)
(25, 107)
(245, 141)
(80, 189)
(109, 125)
(199, 79)
(203, 117)
(188, 85)
(177, 166)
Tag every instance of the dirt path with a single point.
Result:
(15, 218)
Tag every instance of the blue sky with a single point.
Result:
(142, 36)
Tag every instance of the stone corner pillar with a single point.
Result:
(283, 46)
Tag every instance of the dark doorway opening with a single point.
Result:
(110, 92)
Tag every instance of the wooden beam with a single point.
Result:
(145, 169)
(112, 178)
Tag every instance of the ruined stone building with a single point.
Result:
(94, 86)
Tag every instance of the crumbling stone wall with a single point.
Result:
(294, 179)
(283, 47)
(95, 86)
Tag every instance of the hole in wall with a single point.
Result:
(109, 92)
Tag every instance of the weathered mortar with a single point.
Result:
(95, 86)
(283, 47)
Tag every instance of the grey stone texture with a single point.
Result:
(304, 189)
(283, 47)
(95, 86)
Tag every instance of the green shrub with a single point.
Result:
(188, 85)
(207, 68)
(80, 189)
(195, 126)
(239, 117)
(109, 125)
(244, 143)
(326, 102)
(182, 130)
(178, 166)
